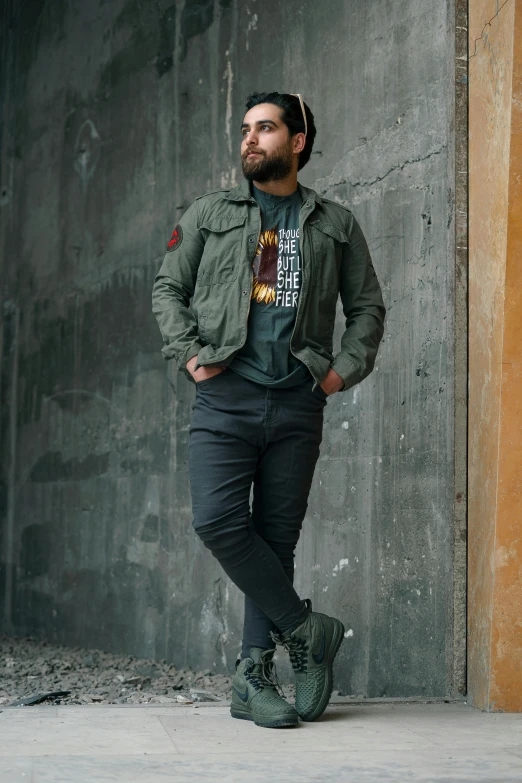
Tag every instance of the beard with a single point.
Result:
(267, 168)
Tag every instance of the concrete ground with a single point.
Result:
(352, 742)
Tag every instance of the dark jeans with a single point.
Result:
(245, 434)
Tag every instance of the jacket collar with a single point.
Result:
(242, 193)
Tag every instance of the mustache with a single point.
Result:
(249, 151)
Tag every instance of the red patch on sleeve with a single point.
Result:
(176, 238)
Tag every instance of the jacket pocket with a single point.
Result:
(328, 243)
(224, 249)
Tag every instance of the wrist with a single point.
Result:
(191, 364)
(332, 382)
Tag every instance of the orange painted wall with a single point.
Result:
(506, 638)
(495, 372)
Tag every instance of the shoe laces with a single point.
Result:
(267, 675)
(255, 678)
(298, 652)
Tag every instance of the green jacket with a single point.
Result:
(202, 293)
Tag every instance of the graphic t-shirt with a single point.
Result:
(266, 357)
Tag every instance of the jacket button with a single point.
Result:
(250, 240)
(245, 293)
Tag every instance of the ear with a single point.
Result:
(299, 142)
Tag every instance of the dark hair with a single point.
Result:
(291, 115)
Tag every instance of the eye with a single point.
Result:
(265, 127)
(244, 131)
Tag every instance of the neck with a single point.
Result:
(279, 187)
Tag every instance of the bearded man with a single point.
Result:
(245, 300)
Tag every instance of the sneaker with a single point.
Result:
(312, 647)
(255, 694)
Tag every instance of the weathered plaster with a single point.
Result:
(495, 424)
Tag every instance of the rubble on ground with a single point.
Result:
(34, 671)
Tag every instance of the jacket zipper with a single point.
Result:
(299, 306)
(251, 275)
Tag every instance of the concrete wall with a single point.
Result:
(115, 116)
(495, 369)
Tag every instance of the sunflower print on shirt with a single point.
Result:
(265, 267)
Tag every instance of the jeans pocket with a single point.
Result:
(319, 393)
(205, 381)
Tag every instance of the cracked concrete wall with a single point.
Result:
(115, 116)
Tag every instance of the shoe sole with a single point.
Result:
(275, 723)
(337, 640)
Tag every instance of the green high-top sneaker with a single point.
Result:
(255, 695)
(312, 648)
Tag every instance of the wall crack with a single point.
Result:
(488, 24)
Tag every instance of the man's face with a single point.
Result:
(266, 149)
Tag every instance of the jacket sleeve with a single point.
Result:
(363, 309)
(173, 289)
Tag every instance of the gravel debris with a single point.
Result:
(30, 667)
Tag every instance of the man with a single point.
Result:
(245, 301)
